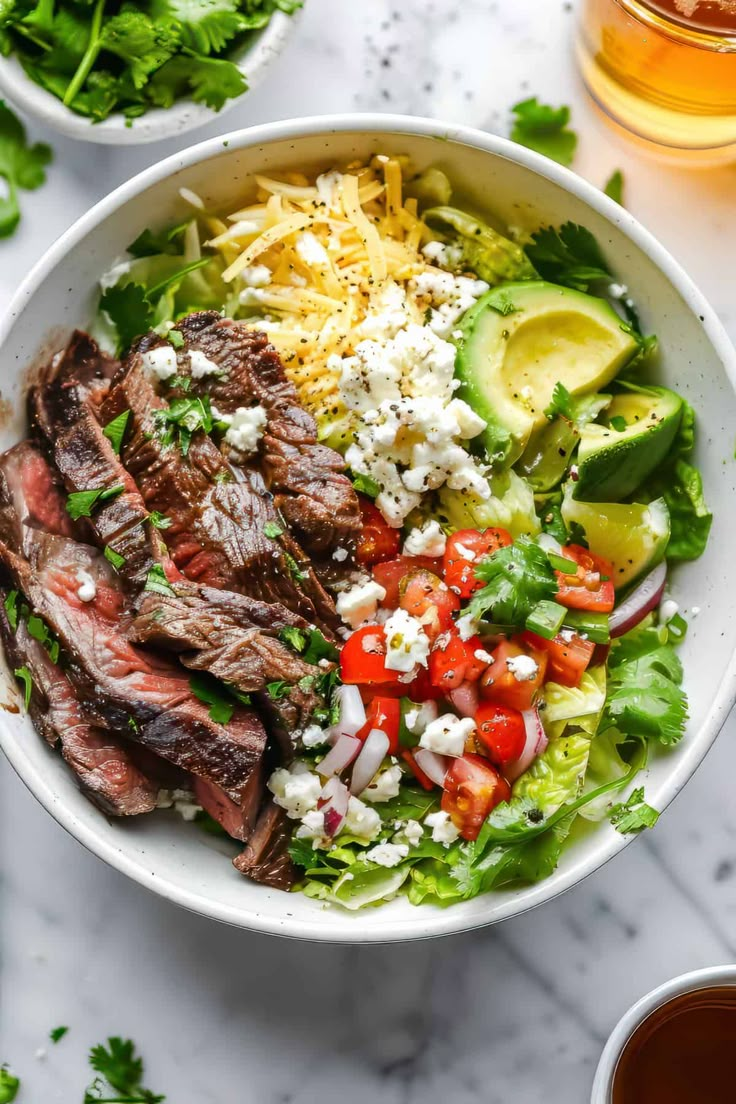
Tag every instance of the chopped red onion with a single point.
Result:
(434, 766)
(536, 742)
(465, 698)
(643, 599)
(340, 755)
(352, 711)
(374, 749)
(333, 803)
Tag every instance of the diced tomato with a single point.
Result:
(390, 573)
(472, 789)
(568, 658)
(425, 596)
(378, 541)
(464, 549)
(591, 587)
(425, 782)
(362, 658)
(501, 731)
(383, 713)
(501, 685)
(420, 689)
(453, 661)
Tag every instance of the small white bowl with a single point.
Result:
(519, 188)
(252, 59)
(712, 977)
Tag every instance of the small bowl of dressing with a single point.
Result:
(674, 1046)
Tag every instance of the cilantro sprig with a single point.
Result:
(645, 697)
(222, 698)
(516, 578)
(634, 814)
(81, 503)
(185, 416)
(21, 166)
(544, 129)
(121, 1075)
(9, 1085)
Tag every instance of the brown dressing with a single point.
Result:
(684, 1053)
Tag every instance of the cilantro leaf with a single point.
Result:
(614, 187)
(207, 80)
(205, 26)
(310, 643)
(129, 310)
(176, 338)
(81, 503)
(113, 557)
(156, 581)
(294, 637)
(39, 630)
(294, 569)
(24, 675)
(57, 1033)
(213, 693)
(21, 166)
(178, 422)
(633, 814)
(365, 484)
(122, 1070)
(569, 255)
(140, 42)
(115, 431)
(544, 129)
(272, 530)
(11, 609)
(150, 242)
(158, 520)
(561, 404)
(645, 697)
(278, 689)
(516, 577)
(9, 1085)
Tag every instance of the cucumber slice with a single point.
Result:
(632, 537)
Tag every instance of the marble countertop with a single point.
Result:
(516, 1012)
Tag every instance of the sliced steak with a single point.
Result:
(237, 818)
(123, 687)
(219, 515)
(31, 495)
(236, 639)
(63, 408)
(266, 856)
(307, 479)
(106, 771)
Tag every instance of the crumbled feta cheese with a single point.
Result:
(465, 552)
(361, 820)
(522, 667)
(568, 635)
(417, 717)
(443, 830)
(245, 428)
(359, 604)
(256, 276)
(445, 255)
(314, 736)
(410, 831)
(87, 589)
(467, 626)
(312, 825)
(483, 656)
(695, 611)
(160, 362)
(181, 801)
(387, 854)
(384, 786)
(449, 296)
(617, 291)
(667, 610)
(406, 642)
(328, 188)
(386, 315)
(311, 250)
(427, 541)
(201, 365)
(295, 789)
(447, 734)
(340, 554)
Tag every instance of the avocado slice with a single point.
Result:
(519, 340)
(615, 458)
(488, 254)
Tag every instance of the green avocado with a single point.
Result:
(479, 247)
(521, 339)
(614, 459)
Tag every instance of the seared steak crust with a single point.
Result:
(266, 856)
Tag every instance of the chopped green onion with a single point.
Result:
(593, 625)
(560, 563)
(545, 619)
(677, 628)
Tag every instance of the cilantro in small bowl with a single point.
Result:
(136, 70)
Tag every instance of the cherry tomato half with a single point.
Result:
(362, 658)
(472, 789)
(390, 573)
(501, 731)
(568, 656)
(425, 596)
(464, 549)
(503, 685)
(383, 713)
(591, 587)
(378, 541)
(453, 661)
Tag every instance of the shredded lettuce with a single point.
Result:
(511, 507)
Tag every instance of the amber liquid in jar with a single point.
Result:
(665, 70)
(684, 1053)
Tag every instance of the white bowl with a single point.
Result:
(252, 59)
(712, 977)
(519, 187)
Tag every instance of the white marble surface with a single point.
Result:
(519, 1012)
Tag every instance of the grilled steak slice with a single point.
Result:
(63, 408)
(31, 496)
(219, 516)
(237, 818)
(123, 687)
(307, 479)
(236, 639)
(266, 856)
(106, 772)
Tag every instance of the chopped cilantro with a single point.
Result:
(272, 530)
(633, 814)
(11, 609)
(618, 423)
(569, 255)
(176, 338)
(516, 578)
(21, 166)
(39, 630)
(121, 1072)
(614, 187)
(159, 521)
(278, 689)
(365, 484)
(221, 699)
(9, 1085)
(24, 675)
(115, 430)
(310, 643)
(113, 557)
(57, 1033)
(156, 581)
(294, 637)
(544, 129)
(561, 404)
(81, 503)
(294, 569)
(178, 422)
